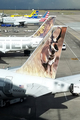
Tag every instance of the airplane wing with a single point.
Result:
(3, 51)
(37, 90)
(13, 69)
(70, 79)
(74, 83)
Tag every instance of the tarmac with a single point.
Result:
(62, 106)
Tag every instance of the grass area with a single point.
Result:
(22, 12)
(16, 11)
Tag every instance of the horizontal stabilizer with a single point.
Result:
(37, 90)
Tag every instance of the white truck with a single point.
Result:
(75, 89)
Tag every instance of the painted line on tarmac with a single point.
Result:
(65, 96)
(72, 52)
(73, 34)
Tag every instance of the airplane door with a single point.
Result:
(7, 85)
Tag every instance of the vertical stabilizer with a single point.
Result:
(35, 15)
(44, 60)
(46, 15)
(34, 11)
(45, 27)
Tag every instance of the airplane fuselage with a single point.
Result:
(18, 43)
(13, 84)
(20, 20)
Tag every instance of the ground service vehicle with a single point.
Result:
(75, 89)
(12, 101)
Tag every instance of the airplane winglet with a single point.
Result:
(44, 60)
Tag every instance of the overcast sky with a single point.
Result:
(39, 4)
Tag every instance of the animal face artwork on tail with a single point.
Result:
(44, 60)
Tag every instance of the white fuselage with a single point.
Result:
(19, 20)
(18, 43)
(13, 84)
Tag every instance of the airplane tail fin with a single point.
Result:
(45, 16)
(34, 11)
(44, 60)
(35, 15)
(44, 28)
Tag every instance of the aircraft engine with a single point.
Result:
(16, 23)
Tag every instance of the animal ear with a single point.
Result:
(59, 34)
(34, 65)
